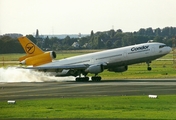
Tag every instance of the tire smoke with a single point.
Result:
(14, 74)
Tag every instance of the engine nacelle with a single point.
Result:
(95, 69)
(119, 69)
(52, 54)
(39, 59)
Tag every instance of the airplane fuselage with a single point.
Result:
(115, 60)
(145, 52)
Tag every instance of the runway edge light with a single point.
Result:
(11, 101)
(152, 96)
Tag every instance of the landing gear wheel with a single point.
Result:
(86, 79)
(149, 68)
(148, 64)
(96, 78)
(78, 79)
(82, 79)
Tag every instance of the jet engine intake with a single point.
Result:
(53, 54)
(95, 69)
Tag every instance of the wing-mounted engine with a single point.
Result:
(118, 69)
(95, 69)
(40, 59)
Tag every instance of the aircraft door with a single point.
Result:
(152, 51)
(125, 55)
(92, 60)
(125, 58)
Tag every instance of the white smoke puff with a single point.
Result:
(13, 74)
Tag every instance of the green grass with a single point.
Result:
(60, 54)
(138, 107)
(10, 57)
(160, 68)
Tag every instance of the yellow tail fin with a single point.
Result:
(29, 47)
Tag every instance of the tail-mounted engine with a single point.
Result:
(40, 59)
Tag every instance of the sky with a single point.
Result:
(83, 16)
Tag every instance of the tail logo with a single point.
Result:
(30, 48)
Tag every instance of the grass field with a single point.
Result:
(136, 107)
(130, 107)
(60, 54)
(160, 68)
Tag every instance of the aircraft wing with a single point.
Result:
(75, 66)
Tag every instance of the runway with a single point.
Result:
(39, 90)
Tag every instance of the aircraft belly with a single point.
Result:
(133, 61)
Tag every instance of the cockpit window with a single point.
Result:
(161, 46)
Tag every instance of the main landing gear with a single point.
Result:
(82, 79)
(96, 78)
(86, 79)
(148, 68)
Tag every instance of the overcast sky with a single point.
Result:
(82, 16)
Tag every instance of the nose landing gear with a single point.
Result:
(148, 64)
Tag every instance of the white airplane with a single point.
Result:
(114, 60)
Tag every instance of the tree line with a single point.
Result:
(99, 40)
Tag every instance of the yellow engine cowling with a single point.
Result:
(39, 59)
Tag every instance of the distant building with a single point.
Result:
(62, 36)
(13, 35)
(75, 45)
(86, 45)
